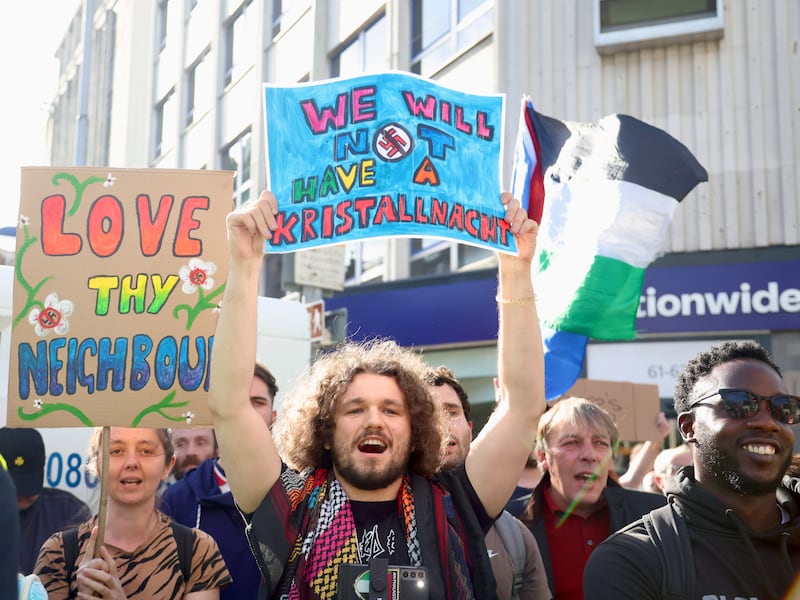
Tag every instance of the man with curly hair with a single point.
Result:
(350, 472)
(732, 526)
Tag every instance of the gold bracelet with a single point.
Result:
(526, 300)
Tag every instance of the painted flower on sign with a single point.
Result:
(109, 180)
(197, 275)
(23, 221)
(37, 404)
(53, 317)
(188, 416)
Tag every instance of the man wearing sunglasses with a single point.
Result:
(732, 526)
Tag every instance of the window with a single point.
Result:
(66, 51)
(161, 25)
(236, 157)
(100, 91)
(437, 257)
(199, 89)
(241, 42)
(368, 51)
(442, 29)
(165, 122)
(364, 261)
(632, 24)
(430, 257)
(285, 13)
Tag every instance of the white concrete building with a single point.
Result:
(176, 83)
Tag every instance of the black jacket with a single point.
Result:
(730, 560)
(624, 506)
(53, 511)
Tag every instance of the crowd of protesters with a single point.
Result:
(371, 464)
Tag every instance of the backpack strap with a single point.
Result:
(511, 536)
(184, 540)
(69, 539)
(670, 536)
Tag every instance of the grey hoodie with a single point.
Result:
(730, 560)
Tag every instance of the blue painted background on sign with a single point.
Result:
(389, 154)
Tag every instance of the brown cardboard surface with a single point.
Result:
(633, 406)
(118, 274)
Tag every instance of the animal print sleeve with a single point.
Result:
(50, 568)
(208, 567)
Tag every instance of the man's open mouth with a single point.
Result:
(372, 446)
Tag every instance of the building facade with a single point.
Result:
(177, 84)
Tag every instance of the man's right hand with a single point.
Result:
(250, 226)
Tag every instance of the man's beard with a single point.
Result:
(369, 479)
(180, 469)
(724, 466)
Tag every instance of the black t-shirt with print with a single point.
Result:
(380, 532)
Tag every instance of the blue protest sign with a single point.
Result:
(389, 154)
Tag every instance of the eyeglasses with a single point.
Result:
(741, 404)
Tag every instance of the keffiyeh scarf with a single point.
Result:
(331, 539)
(314, 518)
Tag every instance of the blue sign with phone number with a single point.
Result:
(71, 470)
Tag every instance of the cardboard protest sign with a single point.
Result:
(389, 154)
(117, 278)
(633, 406)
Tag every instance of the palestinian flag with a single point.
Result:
(604, 194)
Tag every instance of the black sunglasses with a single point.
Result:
(741, 404)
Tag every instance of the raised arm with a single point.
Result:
(498, 455)
(252, 463)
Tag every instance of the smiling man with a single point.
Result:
(349, 474)
(577, 504)
(736, 516)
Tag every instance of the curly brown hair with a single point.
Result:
(306, 424)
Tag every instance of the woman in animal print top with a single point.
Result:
(139, 556)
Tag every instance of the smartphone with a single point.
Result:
(402, 583)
